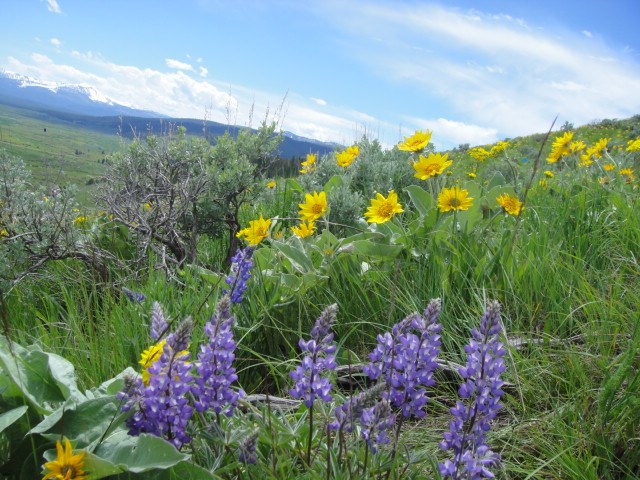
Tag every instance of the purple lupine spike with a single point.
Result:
(482, 385)
(135, 297)
(407, 358)
(319, 359)
(247, 449)
(376, 421)
(162, 406)
(158, 322)
(351, 410)
(212, 387)
(239, 273)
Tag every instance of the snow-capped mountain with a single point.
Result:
(85, 107)
(23, 91)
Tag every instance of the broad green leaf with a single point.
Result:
(295, 254)
(29, 371)
(7, 418)
(420, 199)
(496, 181)
(138, 454)
(377, 250)
(333, 182)
(294, 185)
(209, 276)
(84, 422)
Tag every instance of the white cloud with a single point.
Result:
(170, 93)
(52, 6)
(178, 65)
(319, 101)
(203, 72)
(450, 133)
(177, 94)
(587, 33)
(492, 71)
(55, 42)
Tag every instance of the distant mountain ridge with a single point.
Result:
(85, 107)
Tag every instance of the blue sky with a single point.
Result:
(470, 71)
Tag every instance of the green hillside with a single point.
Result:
(57, 152)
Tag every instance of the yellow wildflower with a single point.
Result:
(454, 198)
(633, 145)
(498, 147)
(609, 166)
(472, 175)
(431, 166)
(479, 153)
(383, 209)
(577, 146)
(510, 204)
(150, 356)
(599, 146)
(346, 157)
(271, 184)
(4, 233)
(80, 220)
(66, 466)
(549, 173)
(304, 229)
(314, 207)
(560, 147)
(309, 166)
(256, 231)
(543, 183)
(415, 142)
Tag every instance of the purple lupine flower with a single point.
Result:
(376, 421)
(162, 406)
(407, 359)
(351, 410)
(319, 359)
(212, 388)
(482, 385)
(135, 297)
(247, 449)
(158, 322)
(239, 273)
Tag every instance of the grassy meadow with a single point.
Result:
(546, 225)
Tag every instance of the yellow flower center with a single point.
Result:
(385, 210)
(454, 202)
(68, 471)
(316, 208)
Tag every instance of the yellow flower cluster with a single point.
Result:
(478, 153)
(633, 145)
(595, 151)
(628, 175)
(500, 146)
(80, 220)
(309, 165)
(347, 156)
(561, 147)
(314, 207)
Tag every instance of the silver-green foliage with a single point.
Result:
(36, 225)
